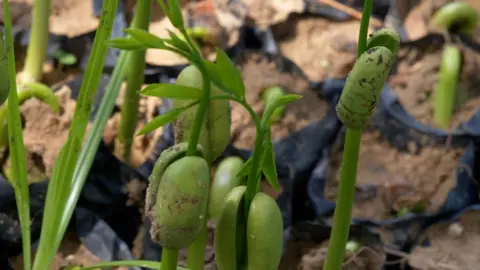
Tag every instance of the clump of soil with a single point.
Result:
(269, 12)
(321, 48)
(418, 21)
(452, 245)
(389, 181)
(70, 253)
(258, 74)
(311, 256)
(64, 19)
(417, 77)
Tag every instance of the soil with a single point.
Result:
(453, 245)
(68, 17)
(303, 255)
(70, 253)
(417, 23)
(45, 132)
(416, 80)
(298, 114)
(389, 181)
(269, 12)
(320, 47)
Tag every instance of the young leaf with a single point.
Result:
(215, 76)
(176, 16)
(144, 37)
(127, 44)
(177, 42)
(269, 167)
(229, 74)
(175, 91)
(275, 103)
(162, 120)
(246, 168)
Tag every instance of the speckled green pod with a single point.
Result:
(264, 234)
(215, 133)
(364, 86)
(224, 181)
(177, 197)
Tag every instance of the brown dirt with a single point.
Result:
(303, 255)
(416, 81)
(389, 180)
(298, 114)
(453, 246)
(68, 17)
(417, 23)
(269, 12)
(321, 48)
(70, 253)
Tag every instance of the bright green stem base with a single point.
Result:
(37, 48)
(169, 259)
(345, 197)
(445, 93)
(196, 251)
(135, 79)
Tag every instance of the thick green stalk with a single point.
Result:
(252, 181)
(37, 47)
(363, 33)
(17, 148)
(345, 197)
(196, 251)
(169, 259)
(135, 79)
(445, 93)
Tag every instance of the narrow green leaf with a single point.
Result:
(178, 43)
(15, 139)
(246, 168)
(277, 102)
(127, 44)
(144, 37)
(175, 91)
(176, 16)
(215, 76)
(269, 167)
(229, 74)
(162, 120)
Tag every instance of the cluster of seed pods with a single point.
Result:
(181, 194)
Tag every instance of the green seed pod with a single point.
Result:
(270, 94)
(224, 181)
(215, 133)
(366, 80)
(264, 234)
(177, 197)
(458, 15)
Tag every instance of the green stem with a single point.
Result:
(169, 259)
(363, 33)
(135, 79)
(345, 197)
(37, 48)
(196, 251)
(252, 181)
(445, 93)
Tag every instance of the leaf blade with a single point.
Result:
(175, 91)
(229, 74)
(161, 120)
(269, 167)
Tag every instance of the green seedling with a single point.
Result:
(352, 246)
(417, 209)
(179, 185)
(37, 48)
(271, 94)
(355, 107)
(64, 58)
(456, 17)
